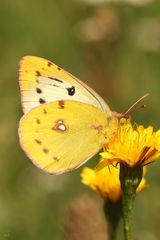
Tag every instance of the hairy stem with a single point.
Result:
(130, 178)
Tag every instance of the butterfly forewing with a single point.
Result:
(62, 135)
(41, 82)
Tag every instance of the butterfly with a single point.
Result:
(65, 122)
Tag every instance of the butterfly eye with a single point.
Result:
(71, 90)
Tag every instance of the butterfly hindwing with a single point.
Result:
(62, 135)
(41, 81)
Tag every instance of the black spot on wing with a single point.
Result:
(45, 150)
(56, 79)
(38, 141)
(49, 64)
(44, 111)
(56, 159)
(38, 90)
(38, 74)
(61, 104)
(41, 101)
(38, 121)
(71, 91)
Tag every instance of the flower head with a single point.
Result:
(132, 145)
(106, 182)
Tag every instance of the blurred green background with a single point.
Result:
(114, 46)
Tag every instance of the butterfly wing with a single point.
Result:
(61, 135)
(41, 82)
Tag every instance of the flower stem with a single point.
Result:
(113, 214)
(130, 178)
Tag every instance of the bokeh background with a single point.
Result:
(112, 45)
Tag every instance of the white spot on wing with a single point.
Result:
(62, 127)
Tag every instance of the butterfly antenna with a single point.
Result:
(137, 105)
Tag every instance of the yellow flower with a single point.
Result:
(132, 146)
(106, 182)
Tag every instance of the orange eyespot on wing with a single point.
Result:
(41, 81)
(60, 136)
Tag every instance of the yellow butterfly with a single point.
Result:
(65, 122)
